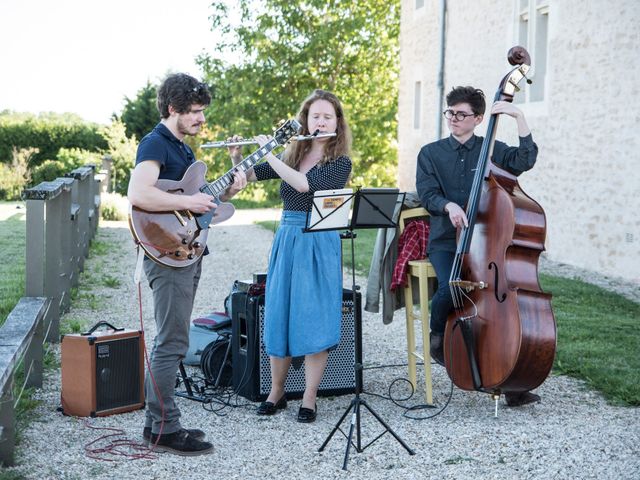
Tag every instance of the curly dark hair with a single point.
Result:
(473, 96)
(181, 91)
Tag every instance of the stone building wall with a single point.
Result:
(587, 177)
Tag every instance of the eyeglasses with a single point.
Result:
(460, 116)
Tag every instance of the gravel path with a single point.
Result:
(573, 433)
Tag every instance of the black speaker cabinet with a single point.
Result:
(251, 369)
(102, 373)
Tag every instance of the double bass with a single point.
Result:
(501, 335)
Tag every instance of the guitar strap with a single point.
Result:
(137, 275)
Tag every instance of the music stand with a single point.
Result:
(329, 210)
(373, 208)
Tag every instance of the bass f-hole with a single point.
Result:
(496, 280)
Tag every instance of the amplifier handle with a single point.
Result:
(102, 324)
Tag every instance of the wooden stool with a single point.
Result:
(423, 271)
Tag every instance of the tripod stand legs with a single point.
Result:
(188, 387)
(387, 429)
(356, 403)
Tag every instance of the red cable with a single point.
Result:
(148, 363)
(114, 447)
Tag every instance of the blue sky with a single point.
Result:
(85, 56)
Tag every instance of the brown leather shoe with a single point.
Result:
(518, 399)
(436, 348)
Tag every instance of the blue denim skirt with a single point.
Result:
(303, 304)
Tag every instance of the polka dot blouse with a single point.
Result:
(329, 176)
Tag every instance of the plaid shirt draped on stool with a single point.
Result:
(412, 245)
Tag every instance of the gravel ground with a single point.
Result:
(572, 433)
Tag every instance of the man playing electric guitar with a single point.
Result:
(162, 154)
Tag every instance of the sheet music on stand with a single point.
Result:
(373, 207)
(330, 210)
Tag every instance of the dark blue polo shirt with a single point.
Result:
(174, 155)
(161, 145)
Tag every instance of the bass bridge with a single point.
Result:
(467, 285)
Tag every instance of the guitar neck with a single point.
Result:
(218, 186)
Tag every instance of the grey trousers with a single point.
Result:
(174, 290)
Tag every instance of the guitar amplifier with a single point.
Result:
(102, 372)
(251, 368)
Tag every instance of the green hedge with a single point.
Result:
(67, 159)
(48, 133)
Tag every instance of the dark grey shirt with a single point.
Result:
(445, 172)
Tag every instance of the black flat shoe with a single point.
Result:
(306, 415)
(270, 408)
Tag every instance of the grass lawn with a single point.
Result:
(598, 338)
(12, 242)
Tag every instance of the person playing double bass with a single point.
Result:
(444, 178)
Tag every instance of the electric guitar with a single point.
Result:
(179, 238)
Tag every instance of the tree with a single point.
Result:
(14, 177)
(140, 115)
(122, 150)
(287, 49)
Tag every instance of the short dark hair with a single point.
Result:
(473, 96)
(181, 91)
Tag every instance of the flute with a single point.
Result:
(298, 138)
